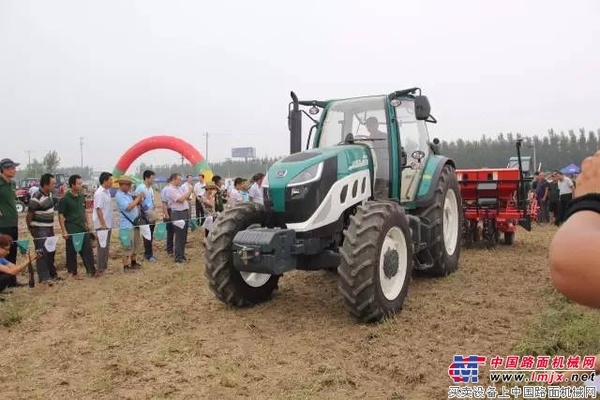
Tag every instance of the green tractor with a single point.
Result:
(371, 199)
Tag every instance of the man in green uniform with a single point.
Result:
(73, 219)
(9, 219)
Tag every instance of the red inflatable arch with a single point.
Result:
(163, 142)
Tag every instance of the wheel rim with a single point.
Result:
(392, 263)
(450, 222)
(255, 279)
(20, 207)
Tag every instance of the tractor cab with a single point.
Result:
(390, 127)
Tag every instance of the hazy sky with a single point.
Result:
(116, 72)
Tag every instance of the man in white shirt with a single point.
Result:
(33, 190)
(565, 189)
(199, 189)
(256, 190)
(178, 202)
(235, 196)
(188, 186)
(102, 217)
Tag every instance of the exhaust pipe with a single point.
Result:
(295, 125)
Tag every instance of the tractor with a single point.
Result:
(370, 197)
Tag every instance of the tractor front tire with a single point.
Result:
(447, 213)
(377, 261)
(21, 207)
(229, 285)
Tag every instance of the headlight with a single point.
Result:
(310, 174)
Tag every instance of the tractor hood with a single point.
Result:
(301, 180)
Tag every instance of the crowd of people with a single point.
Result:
(135, 214)
(553, 196)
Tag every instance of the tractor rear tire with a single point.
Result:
(228, 284)
(377, 260)
(448, 214)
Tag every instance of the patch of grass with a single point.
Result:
(563, 329)
(10, 315)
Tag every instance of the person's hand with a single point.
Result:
(589, 179)
(65, 236)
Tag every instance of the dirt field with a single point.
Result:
(160, 333)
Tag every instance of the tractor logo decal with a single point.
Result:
(281, 173)
(359, 163)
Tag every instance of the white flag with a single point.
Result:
(179, 223)
(145, 231)
(50, 243)
(102, 237)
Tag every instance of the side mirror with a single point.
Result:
(422, 108)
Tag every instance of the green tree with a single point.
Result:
(51, 161)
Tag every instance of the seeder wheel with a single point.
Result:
(491, 235)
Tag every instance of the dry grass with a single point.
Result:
(160, 333)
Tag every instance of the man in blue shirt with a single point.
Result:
(149, 210)
(129, 210)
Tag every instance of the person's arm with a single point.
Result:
(12, 269)
(130, 206)
(574, 252)
(546, 193)
(185, 196)
(575, 258)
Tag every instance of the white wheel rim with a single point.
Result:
(20, 208)
(255, 279)
(392, 282)
(450, 222)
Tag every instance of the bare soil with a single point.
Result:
(160, 332)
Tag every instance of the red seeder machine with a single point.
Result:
(495, 201)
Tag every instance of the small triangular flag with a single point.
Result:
(78, 241)
(179, 223)
(23, 245)
(50, 243)
(125, 236)
(145, 231)
(160, 231)
(102, 237)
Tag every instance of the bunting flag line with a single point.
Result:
(125, 235)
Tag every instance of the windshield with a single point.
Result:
(514, 163)
(364, 117)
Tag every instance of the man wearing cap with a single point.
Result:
(129, 208)
(9, 219)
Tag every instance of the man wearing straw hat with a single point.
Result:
(129, 209)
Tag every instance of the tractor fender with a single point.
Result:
(431, 175)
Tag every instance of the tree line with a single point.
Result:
(554, 150)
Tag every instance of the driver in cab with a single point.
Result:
(372, 125)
